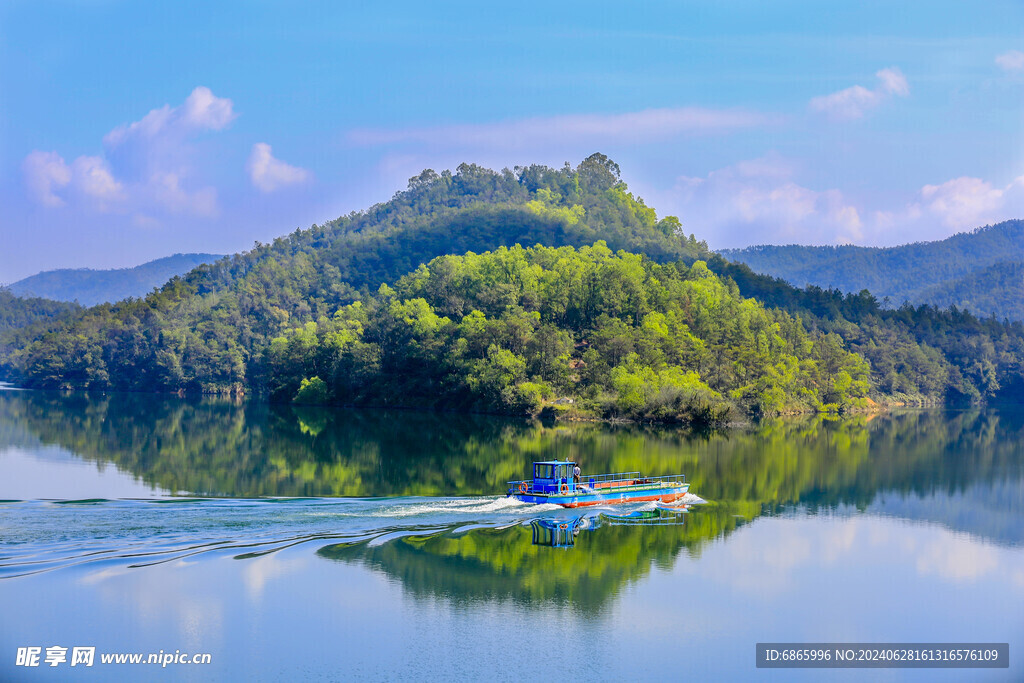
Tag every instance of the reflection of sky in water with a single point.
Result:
(991, 509)
(827, 578)
(797, 577)
(937, 554)
(49, 472)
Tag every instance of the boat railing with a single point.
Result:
(636, 481)
(617, 476)
(617, 480)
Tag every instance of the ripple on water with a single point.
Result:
(44, 536)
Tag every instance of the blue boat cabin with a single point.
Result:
(549, 476)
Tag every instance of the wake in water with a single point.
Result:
(40, 536)
(688, 499)
(461, 506)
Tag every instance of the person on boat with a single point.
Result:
(576, 472)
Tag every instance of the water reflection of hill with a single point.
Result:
(964, 470)
(220, 448)
(991, 510)
(505, 564)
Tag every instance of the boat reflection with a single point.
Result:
(556, 533)
(609, 552)
(562, 533)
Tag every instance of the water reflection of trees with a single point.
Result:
(504, 564)
(217, 447)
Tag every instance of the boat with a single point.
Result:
(553, 482)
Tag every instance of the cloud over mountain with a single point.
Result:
(759, 200)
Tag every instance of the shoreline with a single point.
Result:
(548, 413)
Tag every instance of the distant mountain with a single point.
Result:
(90, 287)
(997, 290)
(980, 270)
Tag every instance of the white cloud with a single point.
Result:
(847, 104)
(757, 202)
(632, 127)
(204, 110)
(938, 211)
(44, 173)
(92, 177)
(149, 165)
(201, 110)
(141, 220)
(268, 173)
(1012, 60)
(893, 82)
(965, 202)
(149, 126)
(855, 101)
(760, 202)
(166, 191)
(89, 178)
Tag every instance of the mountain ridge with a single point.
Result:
(91, 286)
(959, 270)
(216, 328)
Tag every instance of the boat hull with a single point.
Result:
(664, 494)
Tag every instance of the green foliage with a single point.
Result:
(547, 205)
(23, 319)
(917, 355)
(312, 391)
(212, 329)
(505, 330)
(664, 395)
(18, 312)
(997, 290)
(494, 331)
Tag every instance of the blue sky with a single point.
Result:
(129, 131)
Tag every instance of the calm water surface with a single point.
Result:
(303, 544)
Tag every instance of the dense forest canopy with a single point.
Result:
(982, 271)
(997, 290)
(21, 319)
(306, 317)
(504, 330)
(914, 352)
(18, 312)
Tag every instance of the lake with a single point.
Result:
(325, 544)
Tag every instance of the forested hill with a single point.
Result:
(997, 290)
(978, 270)
(19, 317)
(19, 312)
(224, 326)
(89, 287)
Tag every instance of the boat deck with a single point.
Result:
(619, 481)
(620, 487)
